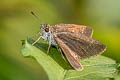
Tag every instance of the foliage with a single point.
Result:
(95, 68)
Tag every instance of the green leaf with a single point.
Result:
(95, 68)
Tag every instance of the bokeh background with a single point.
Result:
(16, 23)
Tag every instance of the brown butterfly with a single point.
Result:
(74, 40)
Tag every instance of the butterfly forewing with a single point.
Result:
(87, 31)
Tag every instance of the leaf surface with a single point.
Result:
(95, 68)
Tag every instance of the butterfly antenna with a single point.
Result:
(34, 15)
(38, 33)
(38, 19)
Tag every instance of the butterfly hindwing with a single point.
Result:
(80, 44)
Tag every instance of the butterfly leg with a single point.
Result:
(60, 50)
(36, 40)
(49, 47)
(37, 34)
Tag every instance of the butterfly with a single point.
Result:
(74, 40)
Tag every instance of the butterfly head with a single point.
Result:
(44, 27)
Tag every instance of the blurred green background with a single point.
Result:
(16, 23)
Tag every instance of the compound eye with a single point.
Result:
(47, 29)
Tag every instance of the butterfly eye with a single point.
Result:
(47, 29)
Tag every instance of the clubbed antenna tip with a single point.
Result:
(34, 14)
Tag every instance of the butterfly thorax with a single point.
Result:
(48, 36)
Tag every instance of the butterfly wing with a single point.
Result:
(77, 46)
(70, 55)
(73, 28)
